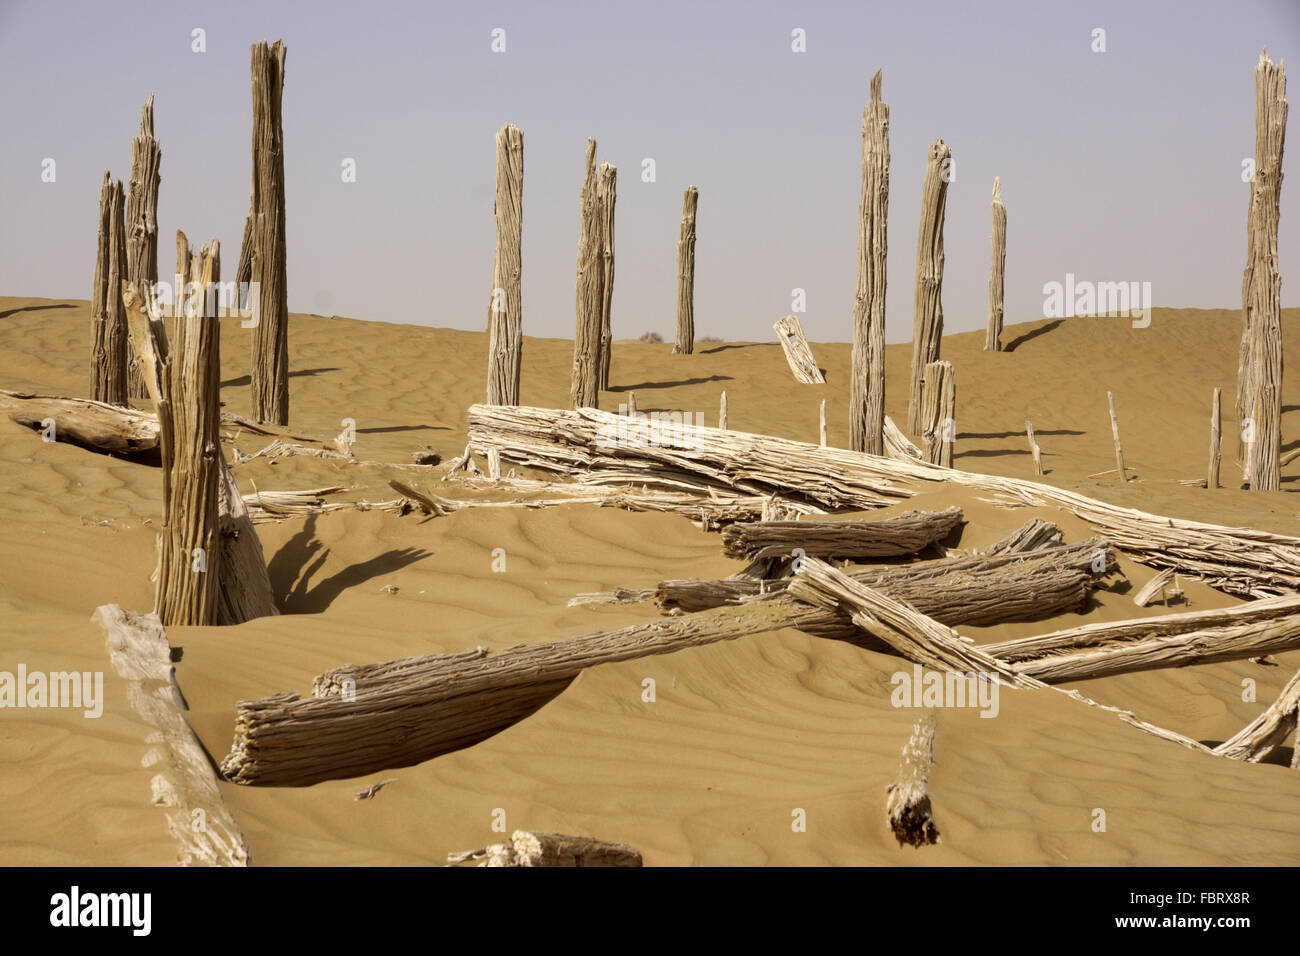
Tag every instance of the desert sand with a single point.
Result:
(742, 732)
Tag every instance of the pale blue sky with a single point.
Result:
(1116, 166)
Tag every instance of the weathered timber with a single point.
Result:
(97, 426)
(722, 410)
(898, 445)
(534, 848)
(927, 321)
(1216, 440)
(1033, 448)
(938, 413)
(1034, 535)
(109, 357)
(584, 384)
(607, 192)
(908, 533)
(142, 222)
(821, 425)
(1265, 733)
(997, 280)
(684, 342)
(505, 314)
(1147, 593)
(1114, 432)
(908, 804)
(797, 351)
(867, 382)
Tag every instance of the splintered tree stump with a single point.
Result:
(908, 803)
(1259, 375)
(927, 320)
(534, 848)
(867, 385)
(142, 222)
(109, 358)
(684, 343)
(584, 386)
(938, 413)
(607, 192)
(1033, 447)
(505, 313)
(267, 268)
(797, 351)
(997, 281)
(908, 533)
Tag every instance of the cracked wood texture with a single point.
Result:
(927, 317)
(1259, 374)
(189, 412)
(584, 387)
(908, 803)
(109, 335)
(867, 385)
(270, 369)
(505, 312)
(908, 533)
(938, 413)
(142, 224)
(997, 281)
(798, 352)
(607, 194)
(684, 344)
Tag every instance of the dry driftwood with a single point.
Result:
(109, 357)
(1114, 432)
(867, 384)
(1034, 535)
(908, 533)
(722, 409)
(997, 281)
(1259, 375)
(797, 351)
(442, 703)
(140, 654)
(908, 806)
(1033, 448)
(270, 349)
(505, 314)
(938, 413)
(898, 445)
(584, 386)
(684, 342)
(1216, 437)
(1265, 733)
(1155, 586)
(607, 193)
(268, 506)
(1243, 561)
(534, 848)
(98, 426)
(142, 222)
(927, 321)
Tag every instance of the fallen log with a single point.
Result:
(908, 807)
(908, 533)
(1265, 733)
(534, 848)
(97, 426)
(1243, 561)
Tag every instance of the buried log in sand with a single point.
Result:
(97, 426)
(908, 533)
(534, 848)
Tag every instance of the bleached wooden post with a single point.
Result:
(939, 404)
(1033, 448)
(798, 353)
(1216, 434)
(505, 314)
(1114, 431)
(189, 413)
(607, 193)
(109, 333)
(722, 411)
(927, 320)
(585, 383)
(997, 280)
(270, 358)
(908, 803)
(142, 223)
(1259, 375)
(821, 431)
(685, 341)
(867, 385)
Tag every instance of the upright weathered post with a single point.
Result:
(867, 386)
(1216, 433)
(722, 410)
(1114, 433)
(606, 191)
(1259, 374)
(939, 413)
(997, 280)
(584, 387)
(1033, 447)
(189, 413)
(270, 371)
(505, 314)
(109, 330)
(142, 223)
(685, 342)
(927, 320)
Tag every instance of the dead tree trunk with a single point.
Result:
(1259, 374)
(1114, 432)
(997, 280)
(685, 342)
(927, 321)
(907, 533)
(1216, 437)
(505, 315)
(189, 553)
(938, 415)
(270, 372)
(584, 387)
(797, 351)
(142, 223)
(867, 387)
(109, 350)
(607, 190)
(908, 806)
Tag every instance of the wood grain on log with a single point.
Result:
(505, 313)
(142, 221)
(939, 413)
(997, 281)
(607, 191)
(684, 342)
(584, 386)
(97, 426)
(908, 805)
(1216, 439)
(927, 321)
(867, 382)
(797, 351)
(908, 533)
(110, 351)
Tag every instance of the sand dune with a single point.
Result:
(741, 733)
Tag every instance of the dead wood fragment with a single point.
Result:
(797, 351)
(908, 533)
(908, 805)
(534, 848)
